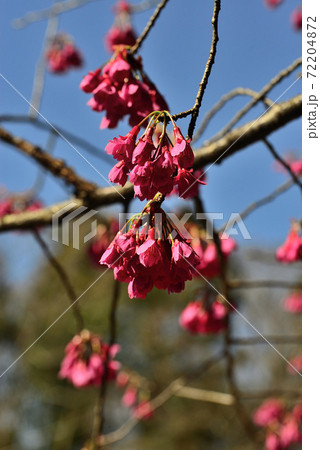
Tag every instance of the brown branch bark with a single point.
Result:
(56, 166)
(238, 139)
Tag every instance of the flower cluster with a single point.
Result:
(291, 250)
(121, 32)
(88, 360)
(283, 428)
(151, 253)
(207, 251)
(154, 166)
(16, 205)
(102, 239)
(205, 316)
(136, 394)
(293, 303)
(121, 88)
(62, 55)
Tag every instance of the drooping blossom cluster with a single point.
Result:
(205, 315)
(122, 88)
(154, 166)
(16, 205)
(293, 303)
(88, 360)
(62, 55)
(102, 239)
(296, 19)
(291, 250)
(207, 251)
(121, 32)
(151, 253)
(283, 427)
(136, 395)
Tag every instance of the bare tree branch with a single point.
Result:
(276, 80)
(56, 166)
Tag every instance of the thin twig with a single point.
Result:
(99, 418)
(148, 27)
(44, 14)
(207, 70)
(283, 163)
(40, 72)
(263, 201)
(64, 280)
(224, 99)
(165, 395)
(266, 89)
(74, 138)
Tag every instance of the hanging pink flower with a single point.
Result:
(121, 32)
(102, 239)
(147, 255)
(62, 55)
(293, 303)
(270, 411)
(291, 250)
(153, 163)
(296, 19)
(121, 88)
(89, 360)
(201, 317)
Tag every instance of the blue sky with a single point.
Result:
(255, 44)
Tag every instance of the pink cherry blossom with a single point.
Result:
(291, 250)
(296, 19)
(293, 303)
(202, 318)
(143, 411)
(88, 360)
(62, 55)
(144, 259)
(271, 410)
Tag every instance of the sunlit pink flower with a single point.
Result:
(91, 81)
(188, 185)
(273, 442)
(271, 410)
(293, 303)
(291, 250)
(119, 173)
(88, 360)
